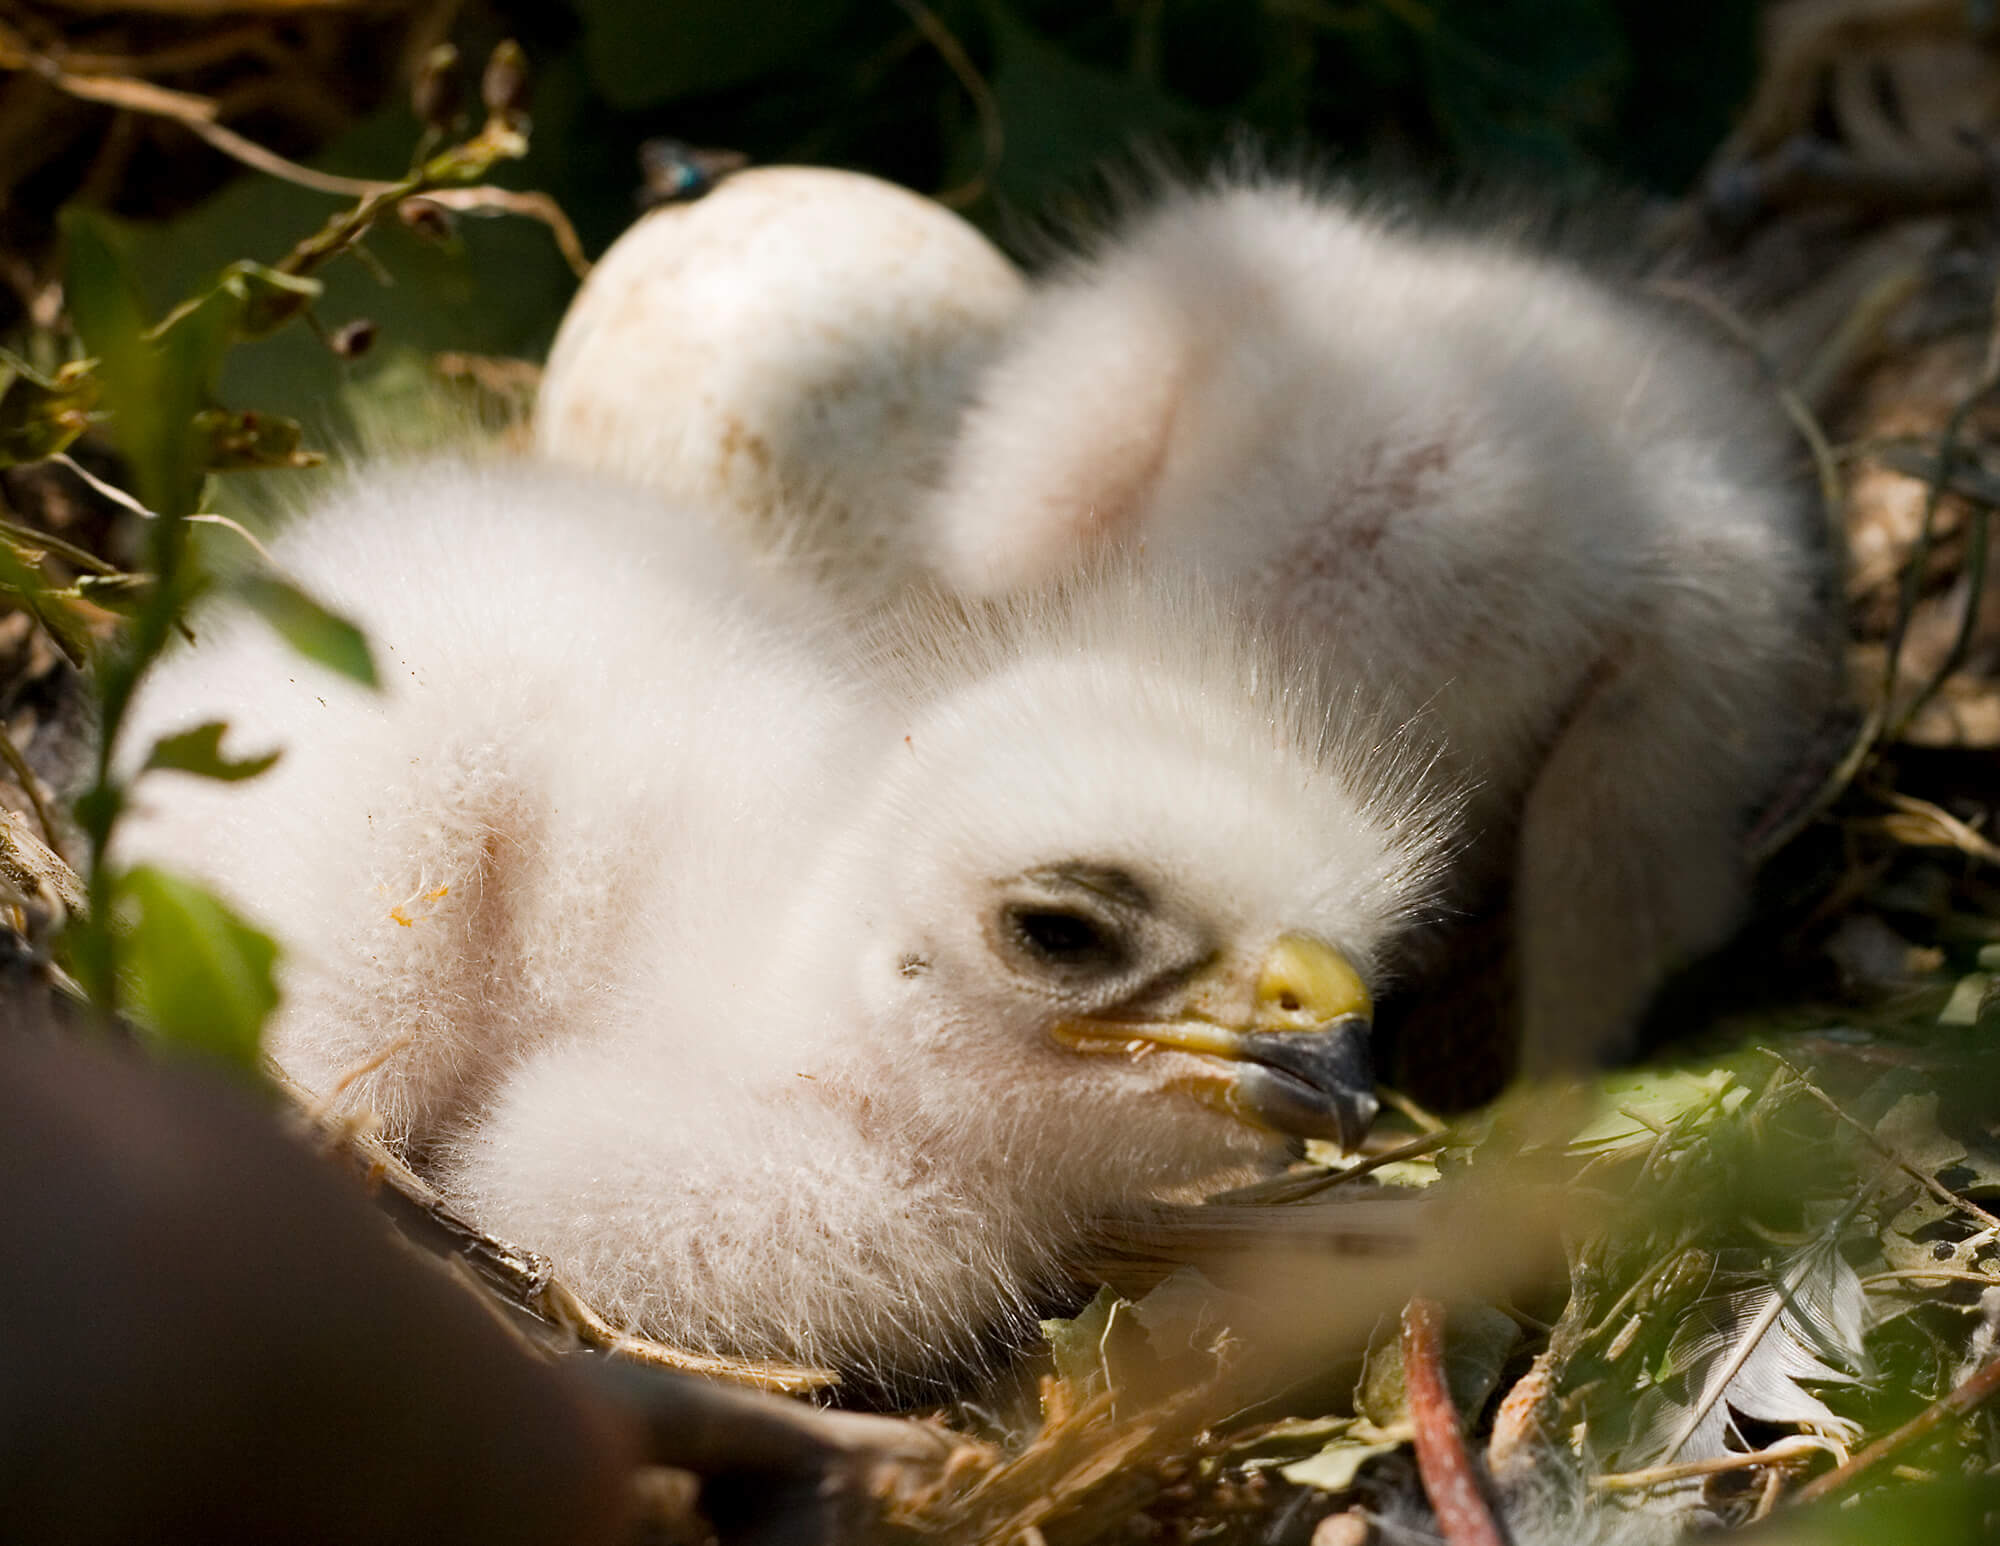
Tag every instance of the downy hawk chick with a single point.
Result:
(796, 1007)
(1495, 488)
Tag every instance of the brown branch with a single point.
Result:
(528, 205)
(992, 128)
(196, 113)
(1785, 1452)
(257, 158)
(198, 53)
(1463, 1517)
(1978, 1388)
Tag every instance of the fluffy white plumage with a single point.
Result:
(716, 959)
(1498, 489)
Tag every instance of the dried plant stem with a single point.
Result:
(1972, 1392)
(1463, 1517)
(561, 1305)
(199, 116)
(992, 128)
(1931, 1184)
(1930, 1275)
(1948, 453)
(1785, 1452)
(258, 159)
(194, 113)
(69, 552)
(25, 777)
(1934, 822)
(529, 205)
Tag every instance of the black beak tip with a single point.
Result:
(1313, 1084)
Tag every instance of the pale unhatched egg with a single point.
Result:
(790, 354)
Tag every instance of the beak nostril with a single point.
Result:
(1303, 979)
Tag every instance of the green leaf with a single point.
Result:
(199, 751)
(239, 442)
(1084, 1347)
(310, 628)
(198, 974)
(1142, 1350)
(125, 594)
(1477, 1341)
(1334, 1468)
(40, 415)
(1974, 998)
(1634, 1107)
(271, 298)
(47, 605)
(153, 381)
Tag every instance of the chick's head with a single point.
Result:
(1122, 880)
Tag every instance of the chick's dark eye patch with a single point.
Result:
(1060, 937)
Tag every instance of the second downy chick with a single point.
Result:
(1501, 490)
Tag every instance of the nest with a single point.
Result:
(1856, 251)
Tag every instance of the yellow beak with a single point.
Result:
(1299, 1059)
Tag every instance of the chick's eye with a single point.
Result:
(1058, 937)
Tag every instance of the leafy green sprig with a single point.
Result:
(198, 973)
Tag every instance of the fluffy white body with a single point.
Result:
(732, 975)
(1496, 489)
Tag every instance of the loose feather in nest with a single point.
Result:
(1746, 1352)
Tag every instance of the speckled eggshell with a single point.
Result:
(791, 354)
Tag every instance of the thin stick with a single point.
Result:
(530, 205)
(1978, 532)
(194, 113)
(1930, 1275)
(1980, 1387)
(98, 486)
(1442, 1460)
(126, 502)
(561, 1305)
(198, 115)
(25, 777)
(992, 128)
(35, 537)
(1784, 1452)
(1935, 1187)
(257, 158)
(1397, 1100)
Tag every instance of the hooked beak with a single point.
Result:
(1297, 1064)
